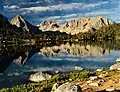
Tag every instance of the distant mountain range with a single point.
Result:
(51, 28)
(21, 28)
(72, 27)
(77, 25)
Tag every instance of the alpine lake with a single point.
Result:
(18, 61)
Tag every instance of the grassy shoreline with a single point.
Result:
(46, 85)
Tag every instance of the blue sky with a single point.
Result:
(60, 10)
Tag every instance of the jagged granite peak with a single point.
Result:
(77, 25)
(19, 21)
(7, 27)
(48, 25)
(47, 22)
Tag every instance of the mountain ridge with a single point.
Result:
(73, 27)
(22, 29)
(49, 29)
(20, 21)
(76, 26)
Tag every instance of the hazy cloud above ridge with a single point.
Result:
(61, 10)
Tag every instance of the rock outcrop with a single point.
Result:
(115, 66)
(68, 87)
(78, 68)
(19, 21)
(55, 86)
(6, 28)
(48, 25)
(39, 76)
(76, 26)
(73, 49)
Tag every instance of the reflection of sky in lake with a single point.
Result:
(68, 61)
(60, 62)
(65, 62)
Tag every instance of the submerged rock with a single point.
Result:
(39, 76)
(78, 68)
(68, 87)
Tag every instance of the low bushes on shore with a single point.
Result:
(46, 85)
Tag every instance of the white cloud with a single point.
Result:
(65, 18)
(26, 3)
(70, 15)
(98, 13)
(37, 9)
(11, 7)
(72, 10)
(69, 6)
(55, 17)
(61, 17)
(94, 5)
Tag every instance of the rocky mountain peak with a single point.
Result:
(77, 25)
(48, 24)
(19, 21)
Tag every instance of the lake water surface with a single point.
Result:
(17, 62)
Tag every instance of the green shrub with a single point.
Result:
(46, 85)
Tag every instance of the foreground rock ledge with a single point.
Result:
(67, 87)
(39, 76)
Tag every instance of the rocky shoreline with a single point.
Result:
(100, 80)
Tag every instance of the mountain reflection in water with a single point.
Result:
(74, 49)
(20, 60)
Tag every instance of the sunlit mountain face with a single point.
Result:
(60, 10)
